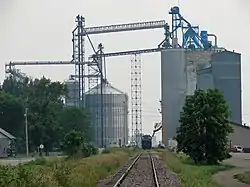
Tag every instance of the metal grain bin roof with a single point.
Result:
(71, 80)
(107, 89)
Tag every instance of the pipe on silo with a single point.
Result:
(215, 39)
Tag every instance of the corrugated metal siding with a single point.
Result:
(173, 90)
(115, 112)
(73, 93)
(226, 70)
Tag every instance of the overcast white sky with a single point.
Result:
(41, 30)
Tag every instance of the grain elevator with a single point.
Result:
(179, 78)
(195, 63)
(185, 70)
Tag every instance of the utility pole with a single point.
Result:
(125, 122)
(26, 132)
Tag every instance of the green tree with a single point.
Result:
(76, 119)
(11, 114)
(75, 144)
(89, 149)
(48, 119)
(203, 133)
(72, 143)
(14, 86)
(45, 105)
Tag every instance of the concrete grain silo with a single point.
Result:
(179, 79)
(225, 75)
(173, 90)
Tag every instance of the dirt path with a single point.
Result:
(15, 161)
(225, 178)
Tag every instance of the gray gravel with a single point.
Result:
(141, 175)
(165, 177)
(111, 180)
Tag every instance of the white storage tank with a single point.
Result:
(115, 115)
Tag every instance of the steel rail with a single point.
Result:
(154, 172)
(121, 179)
(119, 182)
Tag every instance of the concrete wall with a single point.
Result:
(241, 136)
(226, 70)
(205, 79)
(173, 86)
(196, 59)
(225, 74)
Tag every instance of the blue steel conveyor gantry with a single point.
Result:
(191, 38)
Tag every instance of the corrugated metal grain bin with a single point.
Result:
(115, 115)
(73, 93)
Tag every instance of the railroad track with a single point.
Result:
(141, 171)
(144, 170)
(149, 172)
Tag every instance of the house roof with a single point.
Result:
(8, 135)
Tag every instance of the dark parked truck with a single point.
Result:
(146, 142)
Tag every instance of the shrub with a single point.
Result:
(75, 145)
(63, 173)
(88, 149)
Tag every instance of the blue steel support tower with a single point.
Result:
(191, 38)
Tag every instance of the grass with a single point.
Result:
(243, 177)
(60, 172)
(192, 175)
